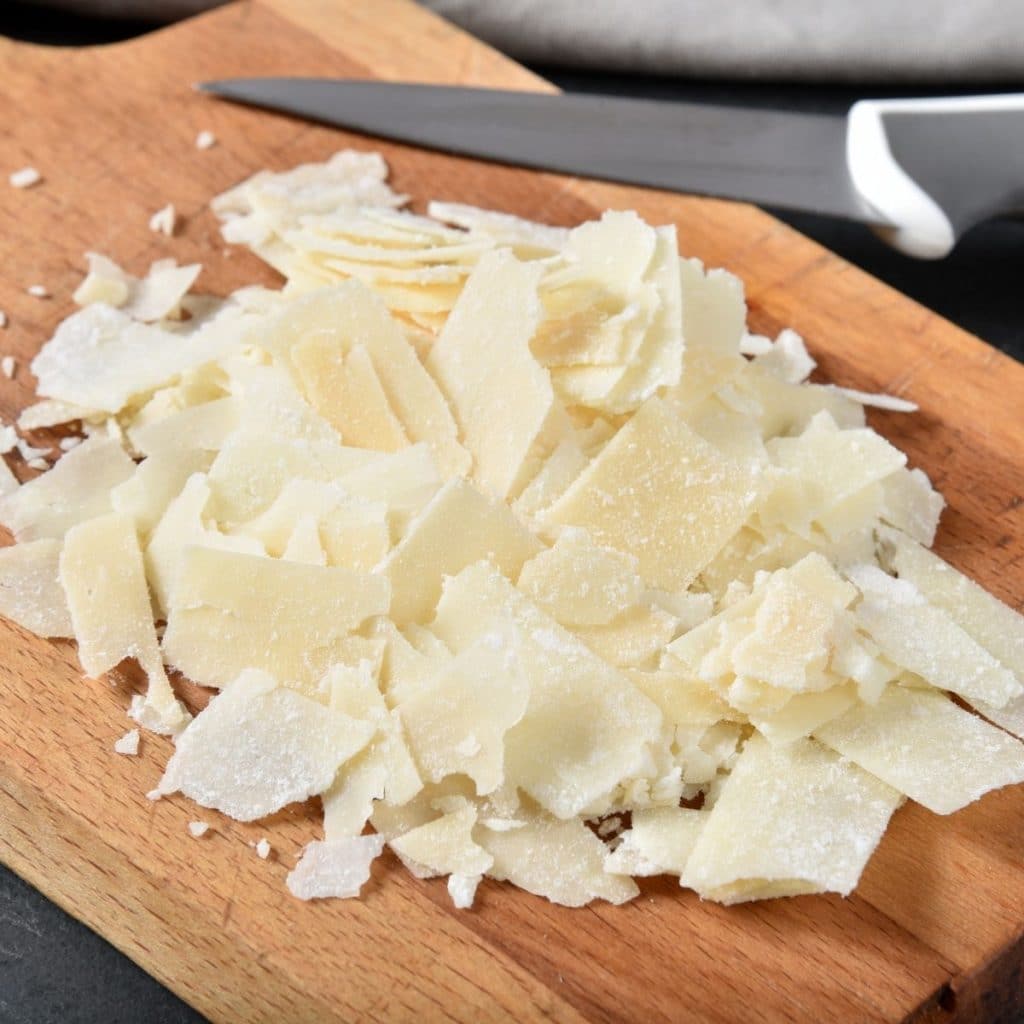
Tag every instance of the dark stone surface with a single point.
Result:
(54, 970)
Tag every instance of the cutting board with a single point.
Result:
(935, 931)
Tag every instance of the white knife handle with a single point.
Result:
(936, 167)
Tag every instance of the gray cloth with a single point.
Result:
(937, 41)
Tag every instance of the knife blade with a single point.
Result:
(835, 166)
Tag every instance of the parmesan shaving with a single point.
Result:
(510, 542)
(26, 177)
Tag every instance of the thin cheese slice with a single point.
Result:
(258, 747)
(434, 547)
(456, 723)
(659, 842)
(580, 583)
(233, 611)
(586, 726)
(926, 640)
(661, 493)
(445, 846)
(30, 590)
(500, 395)
(157, 481)
(994, 625)
(921, 743)
(335, 868)
(560, 860)
(814, 833)
(76, 489)
(101, 572)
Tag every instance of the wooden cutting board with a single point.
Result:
(935, 931)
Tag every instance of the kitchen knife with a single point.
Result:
(920, 172)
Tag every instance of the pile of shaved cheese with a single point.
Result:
(514, 547)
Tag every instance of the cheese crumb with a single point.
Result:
(164, 220)
(128, 743)
(3, 318)
(37, 463)
(206, 140)
(38, 290)
(67, 443)
(198, 828)
(25, 178)
(262, 847)
(8, 366)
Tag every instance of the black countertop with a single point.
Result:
(54, 970)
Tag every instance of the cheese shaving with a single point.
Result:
(508, 541)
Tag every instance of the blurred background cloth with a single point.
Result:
(866, 40)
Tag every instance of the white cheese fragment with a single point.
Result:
(30, 590)
(25, 177)
(911, 504)
(198, 829)
(232, 611)
(67, 443)
(478, 695)
(258, 747)
(51, 413)
(3, 319)
(38, 291)
(580, 583)
(560, 860)
(7, 366)
(813, 833)
(336, 868)
(661, 493)
(206, 139)
(433, 547)
(633, 638)
(102, 574)
(788, 358)
(659, 842)
(714, 309)
(994, 625)
(157, 481)
(128, 744)
(205, 427)
(500, 395)
(926, 640)
(462, 889)
(263, 848)
(565, 760)
(926, 746)
(164, 220)
(445, 846)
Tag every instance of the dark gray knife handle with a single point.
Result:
(934, 168)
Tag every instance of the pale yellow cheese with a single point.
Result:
(664, 495)
(812, 833)
(445, 846)
(658, 842)
(460, 526)
(500, 395)
(30, 590)
(102, 575)
(921, 743)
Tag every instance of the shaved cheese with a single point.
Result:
(922, 744)
(445, 846)
(232, 611)
(561, 860)
(581, 583)
(500, 395)
(565, 760)
(814, 834)
(38, 291)
(661, 493)
(258, 747)
(994, 625)
(263, 849)
(164, 220)
(659, 842)
(78, 488)
(128, 744)
(102, 575)
(30, 590)
(431, 549)
(206, 139)
(337, 868)
(198, 829)
(926, 640)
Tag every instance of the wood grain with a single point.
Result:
(936, 929)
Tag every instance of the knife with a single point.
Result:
(920, 172)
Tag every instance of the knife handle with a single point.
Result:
(934, 168)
